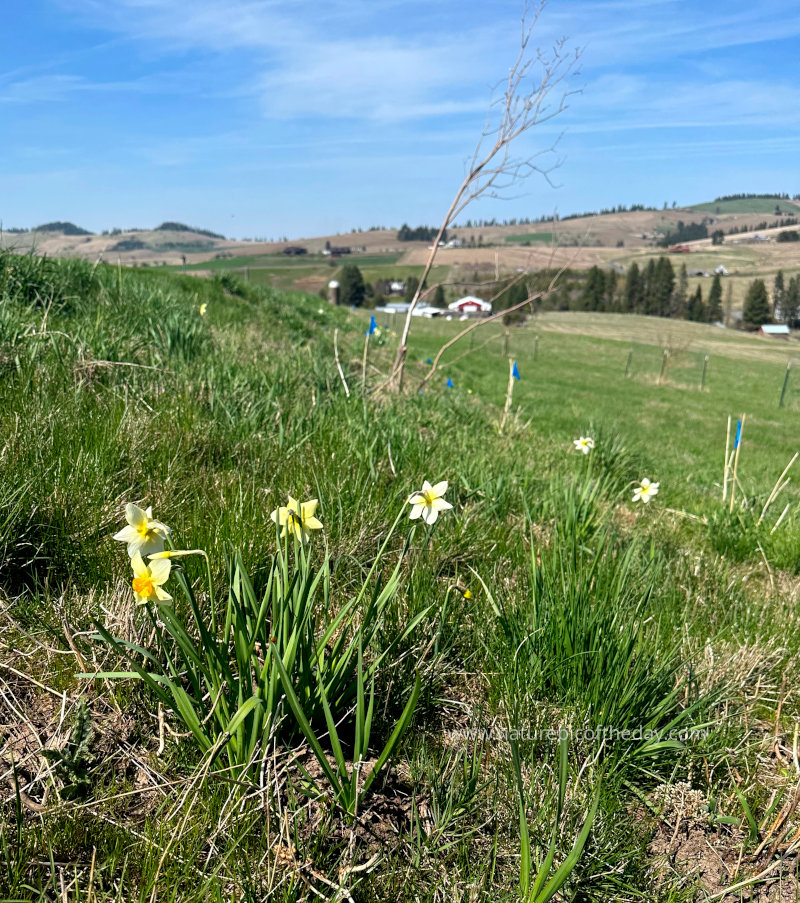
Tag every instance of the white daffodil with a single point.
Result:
(147, 581)
(143, 534)
(297, 518)
(585, 444)
(428, 502)
(645, 490)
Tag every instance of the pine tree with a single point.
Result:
(778, 293)
(756, 305)
(351, 286)
(633, 289)
(791, 302)
(715, 301)
(412, 284)
(728, 305)
(695, 309)
(438, 297)
(680, 296)
(594, 290)
(663, 284)
(649, 293)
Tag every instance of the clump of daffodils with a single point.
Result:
(584, 444)
(645, 490)
(143, 535)
(428, 502)
(297, 518)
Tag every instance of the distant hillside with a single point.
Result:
(748, 204)
(182, 227)
(63, 228)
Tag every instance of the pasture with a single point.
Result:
(549, 690)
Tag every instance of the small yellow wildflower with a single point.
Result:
(143, 534)
(428, 502)
(203, 309)
(297, 518)
(644, 491)
(147, 581)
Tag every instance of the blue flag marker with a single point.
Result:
(515, 371)
(449, 383)
(738, 434)
(372, 326)
(428, 361)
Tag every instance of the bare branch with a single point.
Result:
(524, 103)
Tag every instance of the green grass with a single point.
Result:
(747, 205)
(545, 599)
(545, 237)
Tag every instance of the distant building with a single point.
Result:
(721, 270)
(394, 307)
(776, 331)
(471, 306)
(397, 288)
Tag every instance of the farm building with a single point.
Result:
(776, 332)
(471, 306)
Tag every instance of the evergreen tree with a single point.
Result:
(728, 304)
(351, 286)
(778, 291)
(791, 302)
(594, 290)
(633, 290)
(438, 297)
(756, 305)
(680, 296)
(715, 301)
(649, 293)
(611, 290)
(695, 309)
(663, 284)
(412, 284)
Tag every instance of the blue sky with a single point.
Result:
(298, 117)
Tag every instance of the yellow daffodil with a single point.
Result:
(428, 502)
(644, 491)
(297, 518)
(176, 553)
(585, 444)
(147, 581)
(143, 534)
(203, 309)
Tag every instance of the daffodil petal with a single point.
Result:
(426, 486)
(430, 516)
(138, 565)
(134, 515)
(159, 570)
(440, 504)
(127, 534)
(416, 498)
(440, 488)
(312, 523)
(308, 509)
(163, 595)
(416, 511)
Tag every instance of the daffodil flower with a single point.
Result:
(297, 518)
(585, 444)
(645, 490)
(428, 502)
(148, 580)
(143, 534)
(203, 308)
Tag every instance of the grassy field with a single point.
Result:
(545, 237)
(551, 692)
(747, 205)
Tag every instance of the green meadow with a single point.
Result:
(475, 669)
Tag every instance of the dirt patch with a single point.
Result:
(691, 846)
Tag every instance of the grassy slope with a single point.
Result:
(747, 205)
(115, 388)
